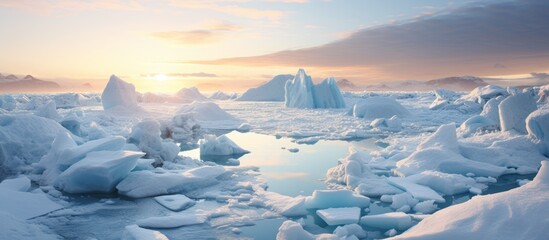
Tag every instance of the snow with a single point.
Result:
(443, 98)
(379, 107)
(119, 94)
(477, 124)
(146, 184)
(99, 171)
(520, 213)
(172, 221)
(209, 114)
(290, 230)
(322, 199)
(189, 95)
(491, 109)
(485, 93)
(445, 183)
(219, 146)
(537, 124)
(146, 135)
(272, 90)
(350, 230)
(176, 202)
(134, 232)
(392, 124)
(394, 220)
(425, 207)
(21, 184)
(513, 111)
(339, 216)
(300, 92)
(244, 127)
(441, 152)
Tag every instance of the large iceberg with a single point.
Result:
(188, 95)
(272, 90)
(519, 213)
(300, 92)
(119, 93)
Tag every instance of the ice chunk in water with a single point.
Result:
(134, 232)
(339, 216)
(396, 220)
(219, 146)
(176, 202)
(322, 199)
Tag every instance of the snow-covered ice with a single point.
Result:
(134, 232)
(379, 107)
(219, 146)
(394, 220)
(272, 90)
(339, 216)
(119, 94)
(176, 202)
(322, 199)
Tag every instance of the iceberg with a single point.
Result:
(99, 171)
(537, 124)
(379, 107)
(520, 213)
(146, 135)
(271, 91)
(119, 93)
(339, 216)
(300, 92)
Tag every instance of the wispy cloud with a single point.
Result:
(212, 32)
(231, 7)
(181, 75)
(468, 40)
(49, 7)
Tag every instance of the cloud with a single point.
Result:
(49, 7)
(467, 40)
(229, 7)
(213, 32)
(182, 75)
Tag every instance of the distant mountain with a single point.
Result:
(12, 83)
(464, 83)
(346, 85)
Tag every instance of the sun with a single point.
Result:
(160, 77)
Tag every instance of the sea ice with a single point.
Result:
(172, 221)
(176, 202)
(146, 135)
(134, 232)
(17, 229)
(520, 213)
(219, 146)
(394, 220)
(379, 107)
(146, 184)
(448, 184)
(537, 124)
(339, 216)
(25, 205)
(99, 171)
(322, 199)
(21, 184)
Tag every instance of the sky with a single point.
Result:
(232, 45)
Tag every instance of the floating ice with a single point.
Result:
(485, 93)
(119, 94)
(146, 135)
(146, 184)
(379, 107)
(448, 184)
(339, 216)
(290, 230)
(537, 124)
(99, 171)
(491, 109)
(284, 205)
(172, 221)
(219, 146)
(443, 97)
(209, 114)
(392, 124)
(48, 110)
(176, 202)
(322, 199)
(513, 111)
(134, 232)
(300, 92)
(519, 213)
(17, 229)
(425, 207)
(272, 90)
(394, 220)
(477, 124)
(347, 231)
